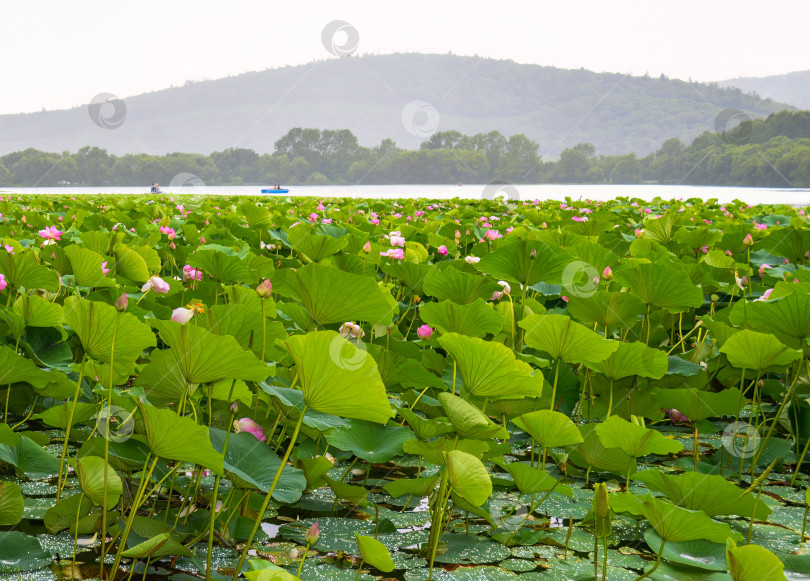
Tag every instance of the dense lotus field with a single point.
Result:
(355, 389)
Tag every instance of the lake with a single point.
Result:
(794, 196)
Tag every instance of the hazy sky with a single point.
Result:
(59, 54)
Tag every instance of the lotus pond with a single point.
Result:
(280, 389)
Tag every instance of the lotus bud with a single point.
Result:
(265, 289)
(313, 534)
(424, 332)
(505, 286)
(748, 240)
(182, 315)
(234, 407)
(367, 247)
(601, 503)
(122, 303)
(533, 253)
(248, 425)
(607, 274)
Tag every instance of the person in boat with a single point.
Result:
(155, 188)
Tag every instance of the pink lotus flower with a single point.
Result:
(169, 232)
(157, 283)
(104, 269)
(349, 329)
(442, 250)
(396, 239)
(375, 221)
(704, 249)
(765, 296)
(424, 332)
(9, 248)
(50, 233)
(579, 218)
(395, 253)
(639, 232)
(327, 220)
(676, 416)
(265, 289)
(3, 283)
(248, 425)
(760, 226)
(182, 315)
(492, 235)
(419, 213)
(321, 208)
(565, 299)
(496, 295)
(763, 267)
(192, 273)
(313, 217)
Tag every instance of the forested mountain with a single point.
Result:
(373, 96)
(792, 88)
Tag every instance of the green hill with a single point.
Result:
(557, 108)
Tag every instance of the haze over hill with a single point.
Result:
(374, 97)
(791, 88)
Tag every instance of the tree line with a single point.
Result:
(774, 151)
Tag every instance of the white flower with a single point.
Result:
(505, 286)
(182, 315)
(471, 259)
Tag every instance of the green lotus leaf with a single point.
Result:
(753, 563)
(491, 369)
(130, 264)
(335, 376)
(374, 553)
(549, 429)
(673, 523)
(461, 288)
(433, 451)
(252, 464)
(419, 487)
(633, 439)
(22, 271)
(90, 471)
(333, 296)
(660, 286)
(565, 340)
(96, 323)
(21, 552)
(30, 458)
(468, 477)
(398, 370)
(633, 359)
(37, 312)
(474, 319)
(607, 309)
(87, 267)
(223, 267)
(787, 317)
(751, 350)
(370, 442)
(179, 438)
(162, 545)
(710, 493)
(58, 416)
(468, 421)
(315, 247)
(410, 274)
(531, 480)
(515, 263)
(356, 495)
(14, 369)
(424, 429)
(12, 504)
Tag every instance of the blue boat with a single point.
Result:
(275, 191)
